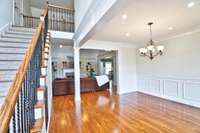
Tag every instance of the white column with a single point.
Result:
(77, 73)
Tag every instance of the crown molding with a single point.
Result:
(180, 35)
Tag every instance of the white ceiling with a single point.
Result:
(63, 3)
(164, 13)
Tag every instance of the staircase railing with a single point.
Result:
(30, 21)
(60, 19)
(17, 112)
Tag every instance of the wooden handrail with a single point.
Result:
(8, 107)
(33, 17)
(49, 5)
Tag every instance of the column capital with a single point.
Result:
(77, 48)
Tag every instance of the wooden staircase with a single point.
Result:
(24, 56)
(13, 46)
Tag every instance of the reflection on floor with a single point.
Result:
(100, 112)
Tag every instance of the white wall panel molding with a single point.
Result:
(171, 87)
(191, 90)
(180, 90)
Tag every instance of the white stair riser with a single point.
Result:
(47, 45)
(7, 44)
(46, 55)
(8, 72)
(45, 62)
(19, 33)
(15, 40)
(22, 29)
(7, 77)
(46, 50)
(13, 50)
(17, 36)
(43, 71)
(3, 93)
(38, 113)
(9, 65)
(42, 82)
(18, 57)
(40, 95)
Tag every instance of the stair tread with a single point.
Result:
(4, 89)
(20, 33)
(15, 40)
(37, 127)
(14, 44)
(7, 75)
(13, 50)
(3, 93)
(9, 65)
(11, 57)
(22, 29)
(16, 36)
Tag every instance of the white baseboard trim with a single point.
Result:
(174, 99)
(126, 92)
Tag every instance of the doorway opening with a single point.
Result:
(102, 63)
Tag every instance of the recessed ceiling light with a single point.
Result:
(127, 34)
(124, 16)
(170, 28)
(191, 4)
(61, 46)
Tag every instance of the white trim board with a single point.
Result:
(184, 91)
(173, 99)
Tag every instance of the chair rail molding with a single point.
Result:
(183, 90)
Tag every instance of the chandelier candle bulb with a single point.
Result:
(160, 48)
(143, 50)
(150, 48)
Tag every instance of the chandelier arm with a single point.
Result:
(158, 53)
(148, 55)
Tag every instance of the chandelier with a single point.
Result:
(151, 50)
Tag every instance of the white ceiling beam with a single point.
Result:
(98, 13)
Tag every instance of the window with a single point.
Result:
(108, 67)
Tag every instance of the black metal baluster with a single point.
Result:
(18, 115)
(14, 123)
(22, 109)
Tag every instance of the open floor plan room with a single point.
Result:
(99, 66)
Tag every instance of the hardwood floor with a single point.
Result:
(100, 112)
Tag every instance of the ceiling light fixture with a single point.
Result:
(150, 51)
(61, 46)
(124, 16)
(191, 4)
(170, 28)
(127, 34)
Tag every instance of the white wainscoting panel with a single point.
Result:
(191, 91)
(186, 91)
(155, 85)
(171, 88)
